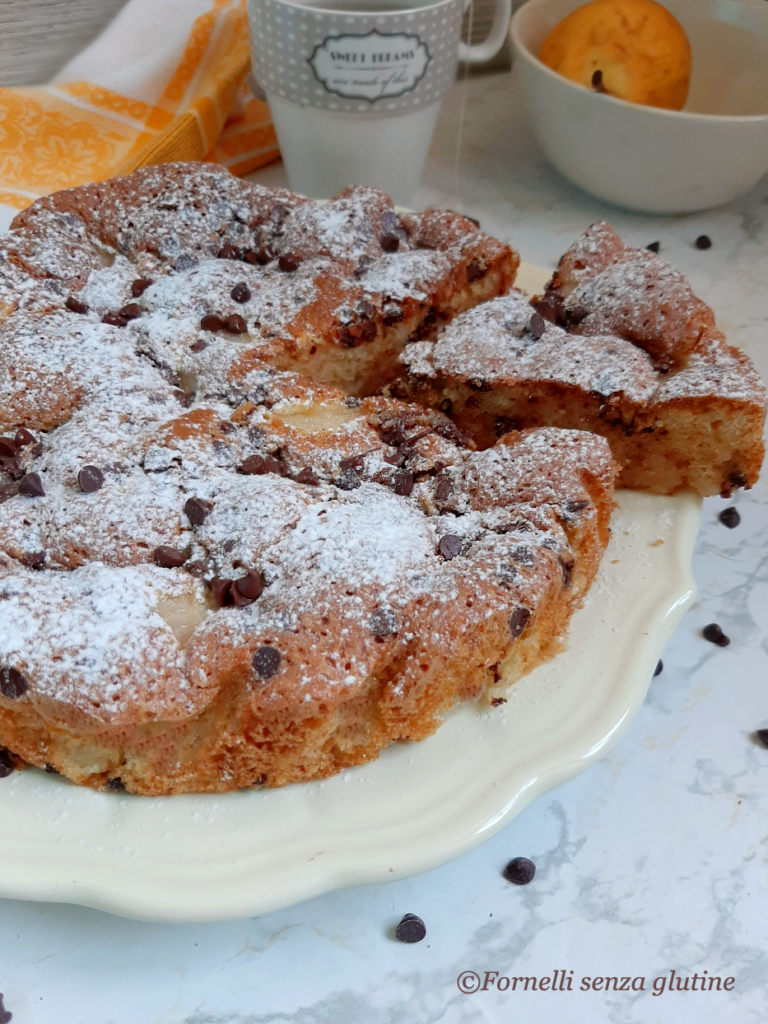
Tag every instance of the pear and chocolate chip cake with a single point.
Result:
(618, 345)
(217, 568)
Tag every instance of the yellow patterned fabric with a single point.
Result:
(196, 105)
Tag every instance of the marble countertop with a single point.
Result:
(653, 860)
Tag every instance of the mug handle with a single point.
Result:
(481, 52)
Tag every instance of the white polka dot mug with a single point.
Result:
(355, 86)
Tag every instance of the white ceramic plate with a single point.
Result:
(197, 858)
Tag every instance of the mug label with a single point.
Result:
(374, 66)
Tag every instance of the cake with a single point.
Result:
(617, 345)
(225, 561)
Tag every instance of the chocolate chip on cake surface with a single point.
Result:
(254, 465)
(168, 558)
(211, 323)
(75, 305)
(653, 247)
(518, 620)
(247, 588)
(288, 264)
(403, 483)
(307, 476)
(198, 346)
(12, 683)
(31, 486)
(139, 286)
(410, 929)
(7, 448)
(475, 270)
(266, 662)
(229, 252)
(659, 668)
(23, 437)
(730, 517)
(33, 559)
(221, 589)
(703, 242)
(131, 311)
(114, 320)
(597, 81)
(449, 546)
(235, 324)
(715, 635)
(383, 622)
(536, 326)
(443, 488)
(196, 510)
(520, 871)
(762, 736)
(90, 479)
(116, 785)
(241, 292)
(7, 767)
(389, 242)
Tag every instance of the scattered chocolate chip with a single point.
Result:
(288, 264)
(90, 479)
(518, 620)
(574, 315)
(114, 320)
(566, 564)
(597, 81)
(7, 448)
(355, 462)
(475, 270)
(550, 305)
(168, 558)
(23, 437)
(449, 546)
(653, 247)
(198, 568)
(736, 479)
(131, 311)
(762, 736)
(574, 506)
(659, 668)
(261, 256)
(50, 770)
(536, 326)
(211, 323)
(411, 929)
(33, 559)
(246, 589)
(7, 766)
(241, 292)
(5, 1015)
(703, 242)
(498, 701)
(715, 635)
(266, 662)
(254, 465)
(229, 252)
(520, 871)
(116, 785)
(235, 324)
(12, 683)
(403, 483)
(730, 517)
(389, 242)
(139, 286)
(222, 591)
(31, 486)
(443, 488)
(307, 476)
(196, 510)
(383, 622)
(75, 305)
(198, 346)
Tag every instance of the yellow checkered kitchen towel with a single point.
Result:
(166, 80)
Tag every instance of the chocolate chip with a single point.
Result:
(131, 311)
(574, 315)
(403, 483)
(235, 324)
(90, 479)
(254, 465)
(7, 766)
(567, 563)
(498, 701)
(246, 589)
(449, 546)
(574, 506)
(12, 683)
(261, 256)
(50, 770)
(597, 81)
(518, 620)
(7, 448)
(730, 517)
(33, 559)
(475, 270)
(241, 292)
(139, 286)
(288, 264)
(197, 510)
(389, 242)
(411, 929)
(550, 305)
(653, 247)
(266, 662)
(762, 736)
(198, 346)
(229, 252)
(114, 320)
(715, 635)
(116, 785)
(703, 242)
(520, 871)
(5, 1016)
(307, 476)
(383, 622)
(659, 668)
(211, 323)
(31, 486)
(75, 305)
(736, 479)
(222, 591)
(355, 462)
(23, 437)
(536, 326)
(168, 558)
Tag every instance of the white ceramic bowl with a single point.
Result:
(645, 158)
